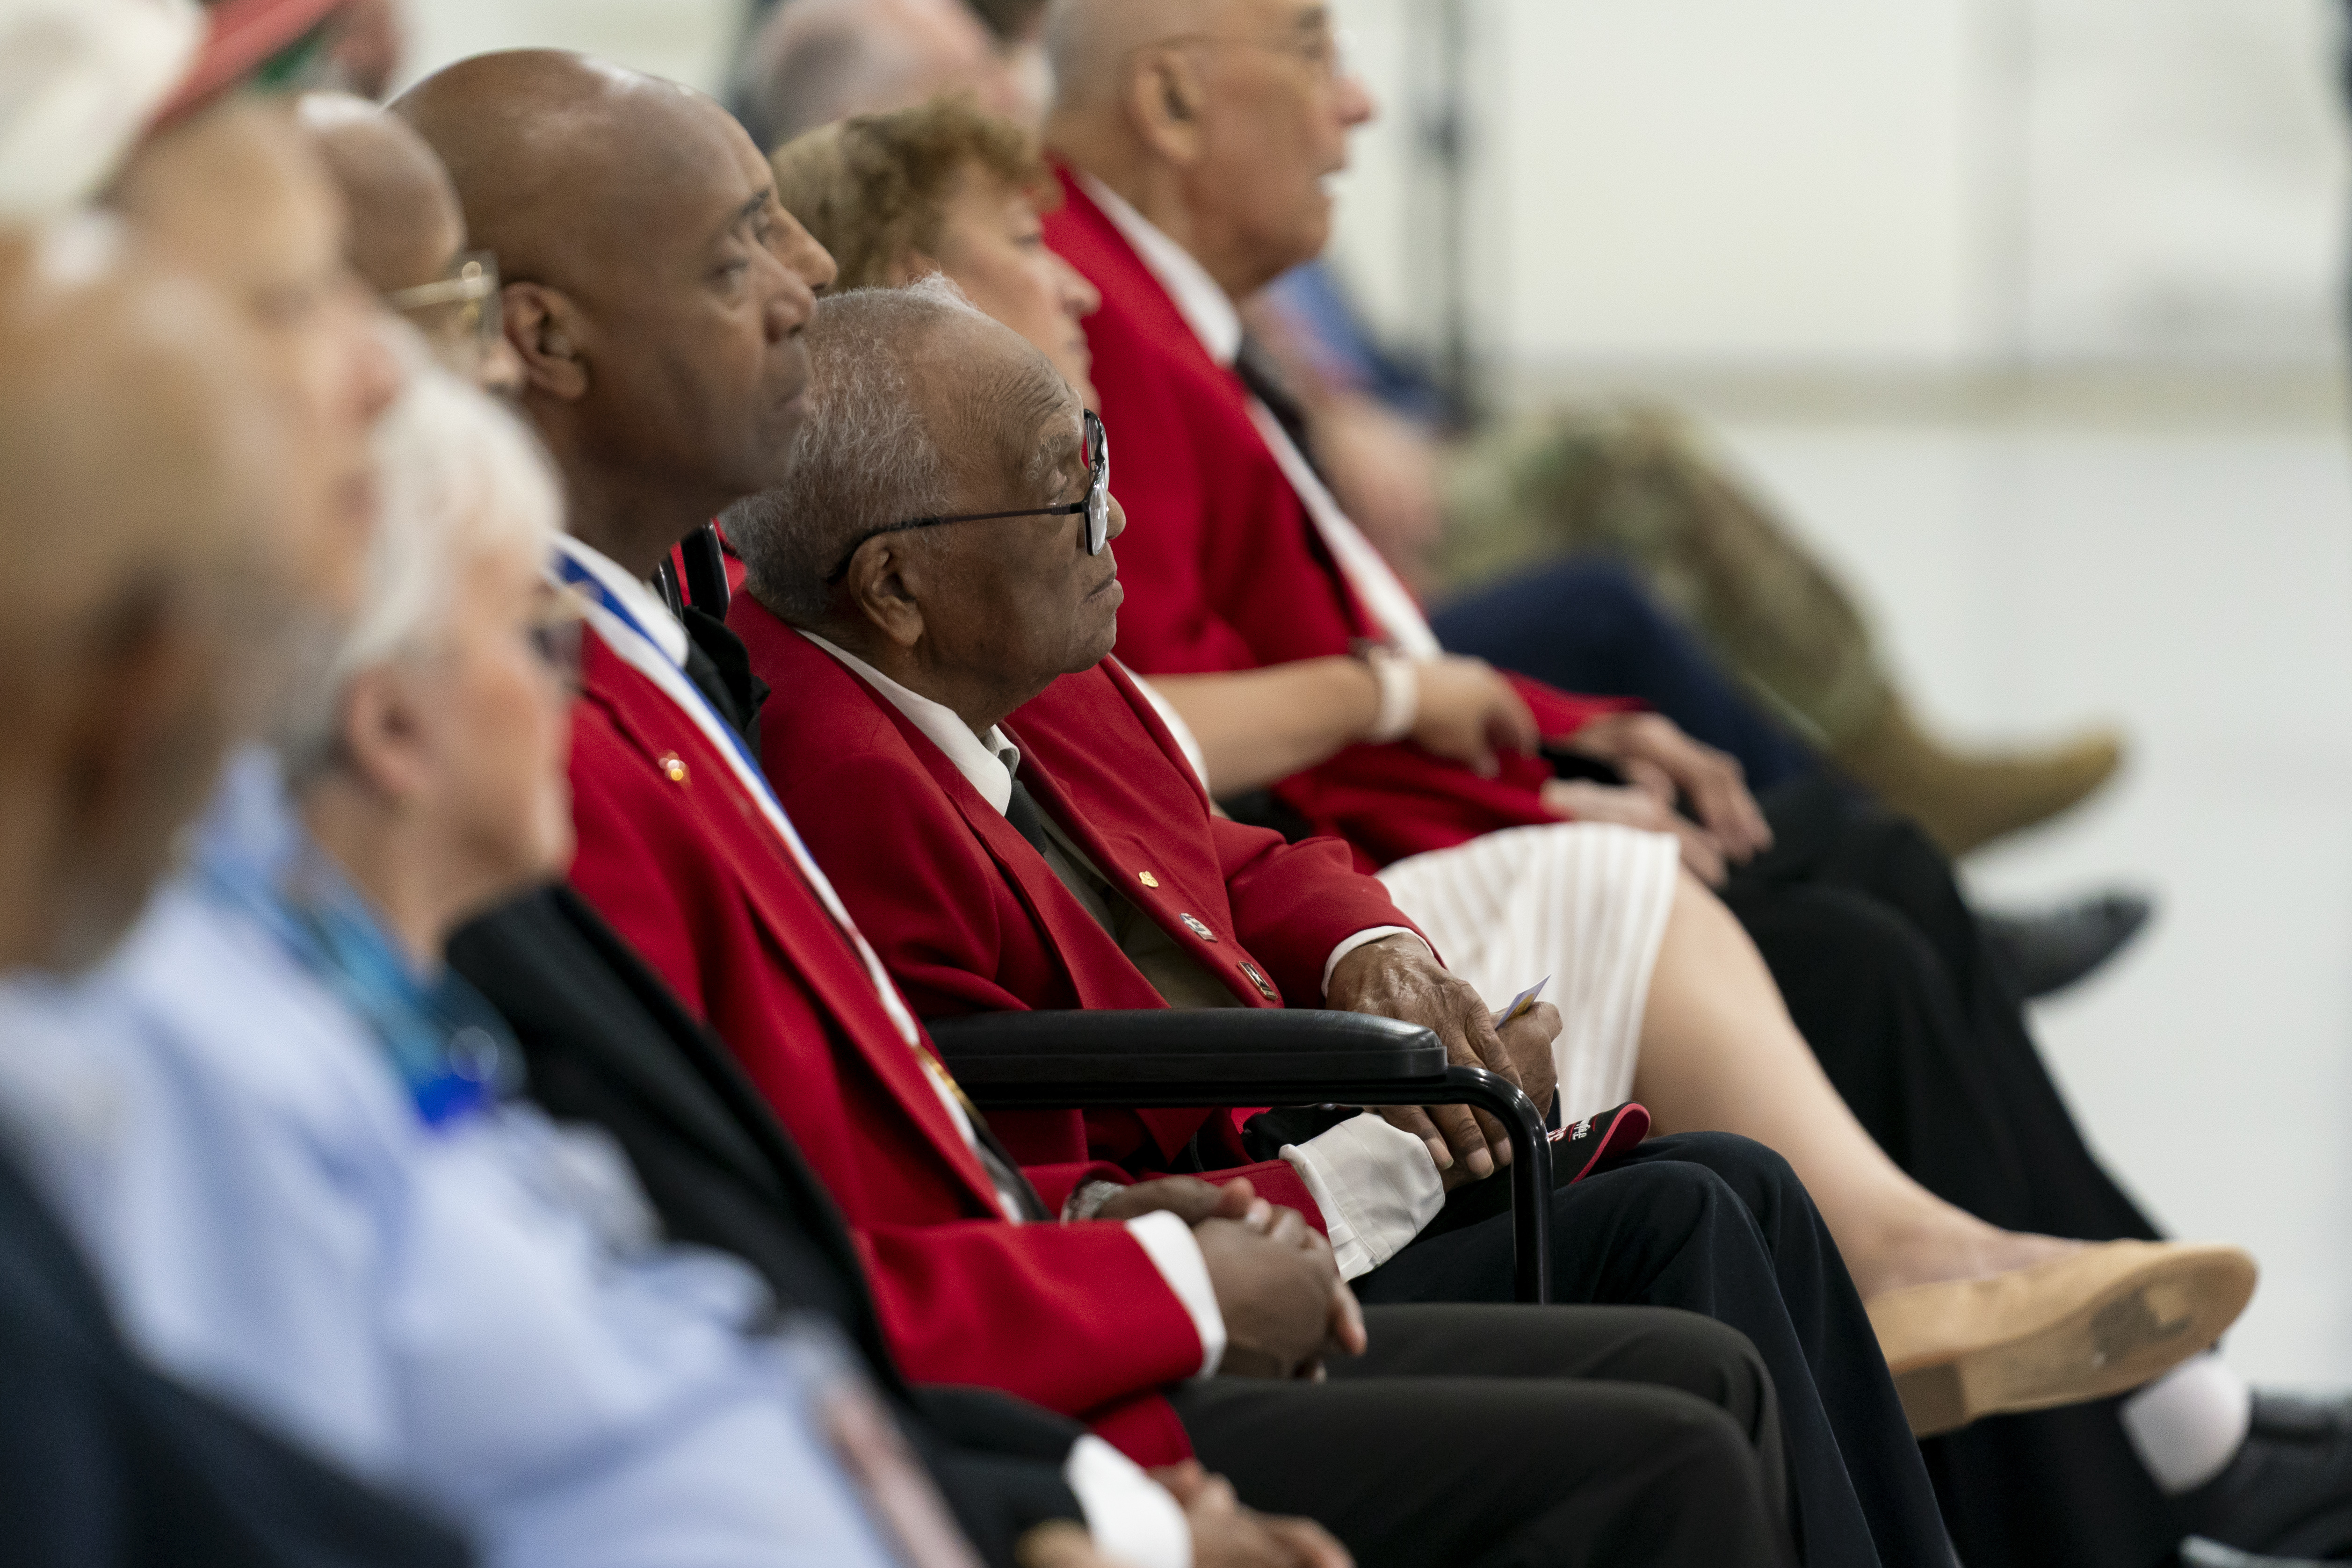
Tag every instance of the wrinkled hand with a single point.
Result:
(1188, 1198)
(1195, 1202)
(1280, 1293)
(1656, 755)
(1397, 977)
(1528, 1038)
(1583, 800)
(1468, 713)
(1227, 1535)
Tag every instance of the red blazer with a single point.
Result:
(1226, 570)
(677, 855)
(969, 917)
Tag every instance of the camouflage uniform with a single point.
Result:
(1638, 483)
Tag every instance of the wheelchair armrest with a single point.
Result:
(1162, 1047)
(1273, 1056)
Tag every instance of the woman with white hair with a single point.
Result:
(431, 767)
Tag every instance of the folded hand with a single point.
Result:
(1227, 1535)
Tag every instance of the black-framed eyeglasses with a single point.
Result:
(1095, 506)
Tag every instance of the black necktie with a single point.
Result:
(1264, 382)
(1027, 820)
(720, 668)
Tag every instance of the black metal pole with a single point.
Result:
(1445, 137)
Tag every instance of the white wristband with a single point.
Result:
(1399, 695)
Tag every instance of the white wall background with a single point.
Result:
(1861, 184)
(1802, 183)
(685, 40)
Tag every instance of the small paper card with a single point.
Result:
(1521, 1003)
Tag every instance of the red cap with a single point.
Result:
(241, 36)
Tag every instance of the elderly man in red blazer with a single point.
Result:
(658, 318)
(1013, 824)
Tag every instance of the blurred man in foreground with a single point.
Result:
(138, 508)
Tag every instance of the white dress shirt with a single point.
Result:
(1132, 1517)
(1375, 1184)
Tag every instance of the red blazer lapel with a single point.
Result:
(1125, 860)
(1098, 971)
(794, 918)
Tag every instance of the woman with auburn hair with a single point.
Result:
(945, 187)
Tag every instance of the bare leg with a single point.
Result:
(1720, 1053)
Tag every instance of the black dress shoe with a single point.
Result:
(2048, 952)
(2289, 1491)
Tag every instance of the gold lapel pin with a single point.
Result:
(673, 766)
(1146, 878)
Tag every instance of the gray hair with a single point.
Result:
(461, 478)
(816, 61)
(1087, 42)
(863, 459)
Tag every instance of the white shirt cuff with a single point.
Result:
(1177, 1256)
(1134, 1521)
(1376, 1186)
(1371, 933)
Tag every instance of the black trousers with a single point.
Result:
(1719, 1225)
(1923, 1034)
(1513, 1437)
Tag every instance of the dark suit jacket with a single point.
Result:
(607, 1043)
(106, 1463)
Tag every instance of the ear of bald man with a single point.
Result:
(537, 329)
(137, 500)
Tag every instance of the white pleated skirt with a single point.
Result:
(1584, 902)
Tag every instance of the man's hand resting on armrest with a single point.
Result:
(1397, 977)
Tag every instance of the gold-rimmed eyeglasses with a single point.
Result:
(459, 314)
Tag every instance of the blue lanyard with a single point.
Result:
(454, 1053)
(577, 575)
